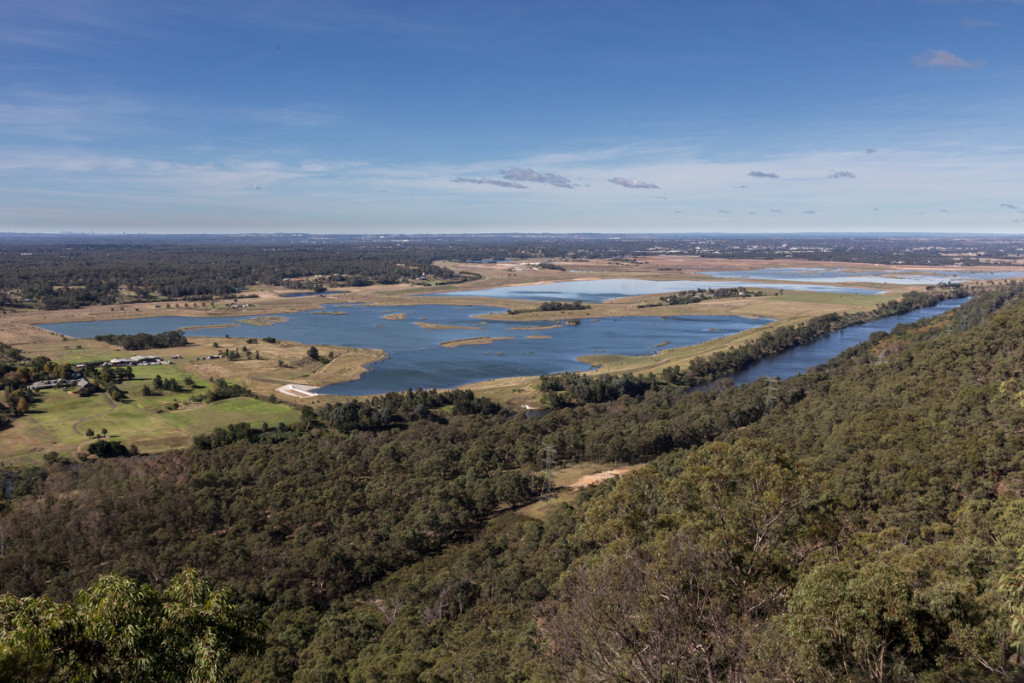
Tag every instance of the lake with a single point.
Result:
(893, 277)
(415, 355)
(595, 291)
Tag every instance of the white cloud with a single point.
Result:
(531, 176)
(490, 181)
(943, 59)
(633, 183)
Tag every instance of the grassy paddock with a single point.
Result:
(58, 422)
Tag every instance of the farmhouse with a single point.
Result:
(51, 383)
(78, 381)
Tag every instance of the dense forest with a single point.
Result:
(144, 340)
(858, 522)
(67, 271)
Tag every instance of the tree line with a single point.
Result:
(144, 340)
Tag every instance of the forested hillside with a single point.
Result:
(858, 522)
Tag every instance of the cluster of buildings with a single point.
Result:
(135, 360)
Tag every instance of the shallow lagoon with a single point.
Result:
(594, 291)
(415, 355)
(895, 276)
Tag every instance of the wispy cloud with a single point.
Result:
(490, 181)
(943, 59)
(531, 176)
(65, 117)
(174, 189)
(762, 174)
(71, 26)
(180, 178)
(978, 23)
(840, 174)
(290, 116)
(633, 183)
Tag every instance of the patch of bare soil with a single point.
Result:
(591, 479)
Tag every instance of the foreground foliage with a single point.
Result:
(117, 630)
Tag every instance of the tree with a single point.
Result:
(859, 621)
(118, 630)
(313, 353)
(1012, 587)
(108, 449)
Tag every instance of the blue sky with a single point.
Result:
(488, 116)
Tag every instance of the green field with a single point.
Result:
(59, 422)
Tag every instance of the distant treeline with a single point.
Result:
(693, 296)
(552, 306)
(53, 272)
(143, 340)
(62, 271)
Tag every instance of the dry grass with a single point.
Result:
(281, 363)
(567, 483)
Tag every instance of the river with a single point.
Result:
(801, 358)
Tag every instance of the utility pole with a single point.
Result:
(549, 461)
(771, 393)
